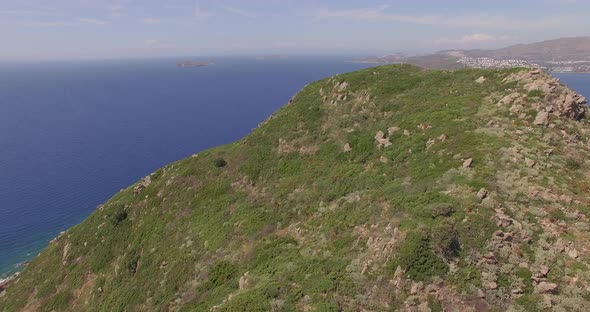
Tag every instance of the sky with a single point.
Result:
(106, 29)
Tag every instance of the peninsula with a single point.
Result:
(393, 188)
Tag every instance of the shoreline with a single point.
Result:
(5, 282)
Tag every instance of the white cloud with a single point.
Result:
(116, 10)
(151, 21)
(157, 44)
(471, 20)
(238, 11)
(47, 23)
(476, 38)
(91, 21)
(199, 13)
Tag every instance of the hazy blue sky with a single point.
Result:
(61, 29)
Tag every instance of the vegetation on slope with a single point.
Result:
(385, 189)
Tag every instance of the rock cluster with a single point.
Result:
(557, 99)
(381, 140)
(339, 93)
(142, 185)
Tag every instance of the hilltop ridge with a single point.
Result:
(391, 188)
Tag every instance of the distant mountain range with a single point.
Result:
(558, 55)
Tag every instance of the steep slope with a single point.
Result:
(391, 188)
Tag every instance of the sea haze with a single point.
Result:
(73, 134)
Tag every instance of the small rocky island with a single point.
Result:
(194, 64)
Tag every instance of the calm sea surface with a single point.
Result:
(73, 134)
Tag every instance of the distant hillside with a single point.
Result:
(388, 189)
(563, 49)
(558, 55)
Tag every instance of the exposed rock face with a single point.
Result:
(468, 163)
(381, 140)
(509, 99)
(530, 162)
(571, 105)
(430, 143)
(483, 193)
(547, 288)
(245, 281)
(142, 185)
(542, 119)
(342, 86)
(544, 270)
(393, 130)
(558, 99)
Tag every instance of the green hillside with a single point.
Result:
(392, 188)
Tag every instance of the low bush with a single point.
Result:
(220, 162)
(222, 272)
(418, 259)
(445, 239)
(119, 216)
(442, 210)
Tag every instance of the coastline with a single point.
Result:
(381, 63)
(4, 283)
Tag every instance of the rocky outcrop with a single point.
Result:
(468, 163)
(381, 140)
(542, 119)
(556, 98)
(142, 185)
(347, 148)
(547, 288)
(245, 281)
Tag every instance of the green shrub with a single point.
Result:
(525, 274)
(222, 272)
(572, 164)
(59, 302)
(442, 210)
(536, 94)
(418, 259)
(250, 301)
(119, 216)
(529, 302)
(220, 163)
(445, 239)
(131, 263)
(466, 278)
(434, 304)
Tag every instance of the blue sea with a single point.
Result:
(73, 134)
